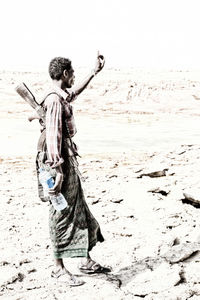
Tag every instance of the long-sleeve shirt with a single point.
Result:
(58, 108)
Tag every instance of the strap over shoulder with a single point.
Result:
(51, 93)
(41, 141)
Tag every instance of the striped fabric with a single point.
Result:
(58, 108)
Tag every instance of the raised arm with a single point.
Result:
(98, 67)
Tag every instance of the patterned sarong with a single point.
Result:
(73, 231)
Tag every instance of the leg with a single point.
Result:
(86, 259)
(59, 268)
(59, 263)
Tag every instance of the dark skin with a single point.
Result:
(66, 82)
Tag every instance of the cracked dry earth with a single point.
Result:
(152, 237)
(141, 171)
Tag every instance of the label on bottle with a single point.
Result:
(59, 202)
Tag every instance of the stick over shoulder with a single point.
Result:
(28, 96)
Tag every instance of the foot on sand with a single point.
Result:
(63, 275)
(91, 267)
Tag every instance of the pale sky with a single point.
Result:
(135, 33)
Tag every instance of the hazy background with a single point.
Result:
(136, 33)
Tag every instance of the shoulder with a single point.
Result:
(52, 98)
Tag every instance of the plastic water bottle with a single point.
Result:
(58, 201)
(43, 177)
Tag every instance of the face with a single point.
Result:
(69, 78)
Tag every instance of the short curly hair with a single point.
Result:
(57, 66)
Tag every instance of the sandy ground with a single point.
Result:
(138, 134)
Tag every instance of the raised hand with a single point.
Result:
(100, 62)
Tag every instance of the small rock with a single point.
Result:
(154, 174)
(95, 201)
(193, 197)
(4, 263)
(17, 277)
(176, 241)
(139, 170)
(24, 261)
(117, 200)
(31, 271)
(195, 97)
(159, 191)
(181, 252)
(33, 287)
(126, 234)
(113, 176)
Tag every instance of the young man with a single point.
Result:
(73, 231)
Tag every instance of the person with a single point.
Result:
(73, 231)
